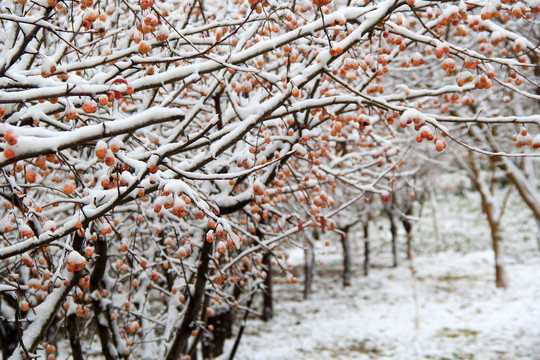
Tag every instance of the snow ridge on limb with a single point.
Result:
(30, 144)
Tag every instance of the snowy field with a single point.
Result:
(455, 313)
(450, 309)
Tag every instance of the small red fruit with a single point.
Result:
(51, 349)
(89, 106)
(25, 306)
(9, 154)
(320, 3)
(10, 138)
(30, 176)
(101, 149)
(440, 145)
(145, 4)
(68, 188)
(103, 100)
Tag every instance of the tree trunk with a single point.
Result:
(268, 309)
(74, 339)
(309, 265)
(489, 208)
(494, 223)
(393, 231)
(501, 280)
(366, 247)
(436, 229)
(408, 229)
(8, 333)
(538, 233)
(214, 341)
(346, 258)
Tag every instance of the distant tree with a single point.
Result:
(493, 209)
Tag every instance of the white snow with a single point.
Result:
(460, 314)
(75, 258)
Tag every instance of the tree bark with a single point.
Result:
(309, 266)
(214, 341)
(436, 229)
(393, 231)
(489, 208)
(346, 258)
(9, 338)
(366, 247)
(501, 280)
(74, 339)
(268, 308)
(538, 233)
(407, 225)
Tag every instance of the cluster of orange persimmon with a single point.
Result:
(524, 138)
(425, 131)
(517, 10)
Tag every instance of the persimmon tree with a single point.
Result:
(154, 152)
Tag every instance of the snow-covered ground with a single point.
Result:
(450, 309)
